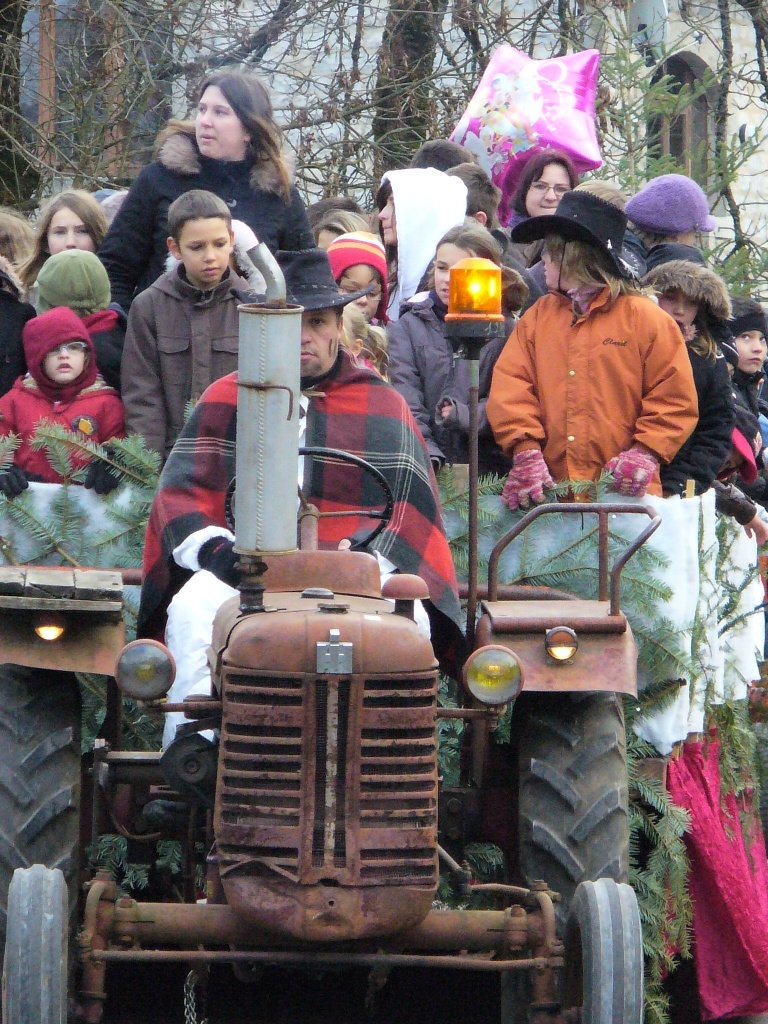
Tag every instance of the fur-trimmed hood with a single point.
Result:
(699, 284)
(176, 149)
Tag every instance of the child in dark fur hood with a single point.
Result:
(697, 300)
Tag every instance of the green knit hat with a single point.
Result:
(74, 278)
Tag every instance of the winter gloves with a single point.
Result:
(13, 480)
(526, 481)
(99, 476)
(217, 555)
(102, 477)
(632, 471)
(453, 413)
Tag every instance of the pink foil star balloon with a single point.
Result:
(522, 106)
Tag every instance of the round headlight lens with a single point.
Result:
(561, 643)
(49, 626)
(145, 670)
(493, 675)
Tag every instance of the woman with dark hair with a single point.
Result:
(543, 182)
(233, 149)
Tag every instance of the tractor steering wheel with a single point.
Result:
(383, 516)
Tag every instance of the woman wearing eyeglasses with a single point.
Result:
(62, 386)
(544, 180)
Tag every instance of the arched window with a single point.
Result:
(687, 137)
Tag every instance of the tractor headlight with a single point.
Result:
(145, 670)
(49, 626)
(493, 675)
(561, 643)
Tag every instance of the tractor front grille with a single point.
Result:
(329, 778)
(398, 781)
(260, 772)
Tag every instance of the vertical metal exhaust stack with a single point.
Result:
(268, 394)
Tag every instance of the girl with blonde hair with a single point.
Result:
(595, 376)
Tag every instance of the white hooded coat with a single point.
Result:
(427, 204)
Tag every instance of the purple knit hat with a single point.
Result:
(671, 204)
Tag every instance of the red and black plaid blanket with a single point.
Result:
(355, 411)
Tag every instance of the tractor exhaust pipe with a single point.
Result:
(267, 429)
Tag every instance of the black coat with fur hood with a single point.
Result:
(702, 456)
(135, 248)
(14, 314)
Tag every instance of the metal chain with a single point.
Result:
(196, 978)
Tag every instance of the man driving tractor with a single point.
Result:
(348, 408)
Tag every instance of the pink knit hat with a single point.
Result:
(361, 247)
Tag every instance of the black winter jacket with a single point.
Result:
(747, 387)
(134, 250)
(108, 343)
(424, 368)
(702, 456)
(13, 315)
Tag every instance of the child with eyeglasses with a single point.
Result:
(359, 262)
(61, 386)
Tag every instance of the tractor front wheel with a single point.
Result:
(603, 976)
(35, 969)
(573, 791)
(39, 776)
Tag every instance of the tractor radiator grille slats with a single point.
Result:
(398, 782)
(260, 772)
(329, 777)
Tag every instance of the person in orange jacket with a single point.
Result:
(63, 386)
(595, 376)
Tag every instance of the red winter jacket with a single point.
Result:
(96, 412)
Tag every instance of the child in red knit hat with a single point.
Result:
(358, 261)
(62, 386)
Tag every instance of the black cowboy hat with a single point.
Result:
(582, 217)
(309, 279)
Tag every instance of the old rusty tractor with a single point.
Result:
(321, 808)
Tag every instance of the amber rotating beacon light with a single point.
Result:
(474, 317)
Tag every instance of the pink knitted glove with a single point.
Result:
(526, 481)
(632, 471)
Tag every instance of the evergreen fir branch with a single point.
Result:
(660, 653)
(485, 860)
(22, 512)
(567, 488)
(128, 456)
(8, 446)
(657, 696)
(732, 623)
(169, 853)
(110, 853)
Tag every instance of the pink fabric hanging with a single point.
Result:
(729, 888)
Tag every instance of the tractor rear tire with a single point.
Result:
(39, 777)
(603, 974)
(573, 791)
(35, 968)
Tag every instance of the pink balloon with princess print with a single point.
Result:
(523, 106)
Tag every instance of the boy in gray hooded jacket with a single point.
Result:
(183, 330)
